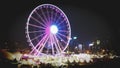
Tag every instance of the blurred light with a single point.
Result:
(76, 47)
(103, 50)
(80, 46)
(74, 37)
(81, 60)
(53, 29)
(98, 42)
(70, 38)
(87, 51)
(91, 44)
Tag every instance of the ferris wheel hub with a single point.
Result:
(53, 29)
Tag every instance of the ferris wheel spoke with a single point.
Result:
(51, 16)
(53, 52)
(63, 31)
(61, 22)
(57, 19)
(57, 49)
(48, 16)
(36, 31)
(55, 16)
(38, 21)
(57, 43)
(61, 39)
(37, 26)
(62, 35)
(37, 36)
(38, 45)
(40, 17)
(44, 42)
(44, 16)
(51, 42)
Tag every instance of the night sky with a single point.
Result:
(89, 20)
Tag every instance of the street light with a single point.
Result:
(74, 37)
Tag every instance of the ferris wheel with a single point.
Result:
(48, 30)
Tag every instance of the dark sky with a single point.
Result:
(88, 19)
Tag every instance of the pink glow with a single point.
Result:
(47, 31)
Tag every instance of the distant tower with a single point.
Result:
(80, 47)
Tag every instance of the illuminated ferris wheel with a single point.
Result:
(48, 30)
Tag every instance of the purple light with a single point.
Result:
(53, 29)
